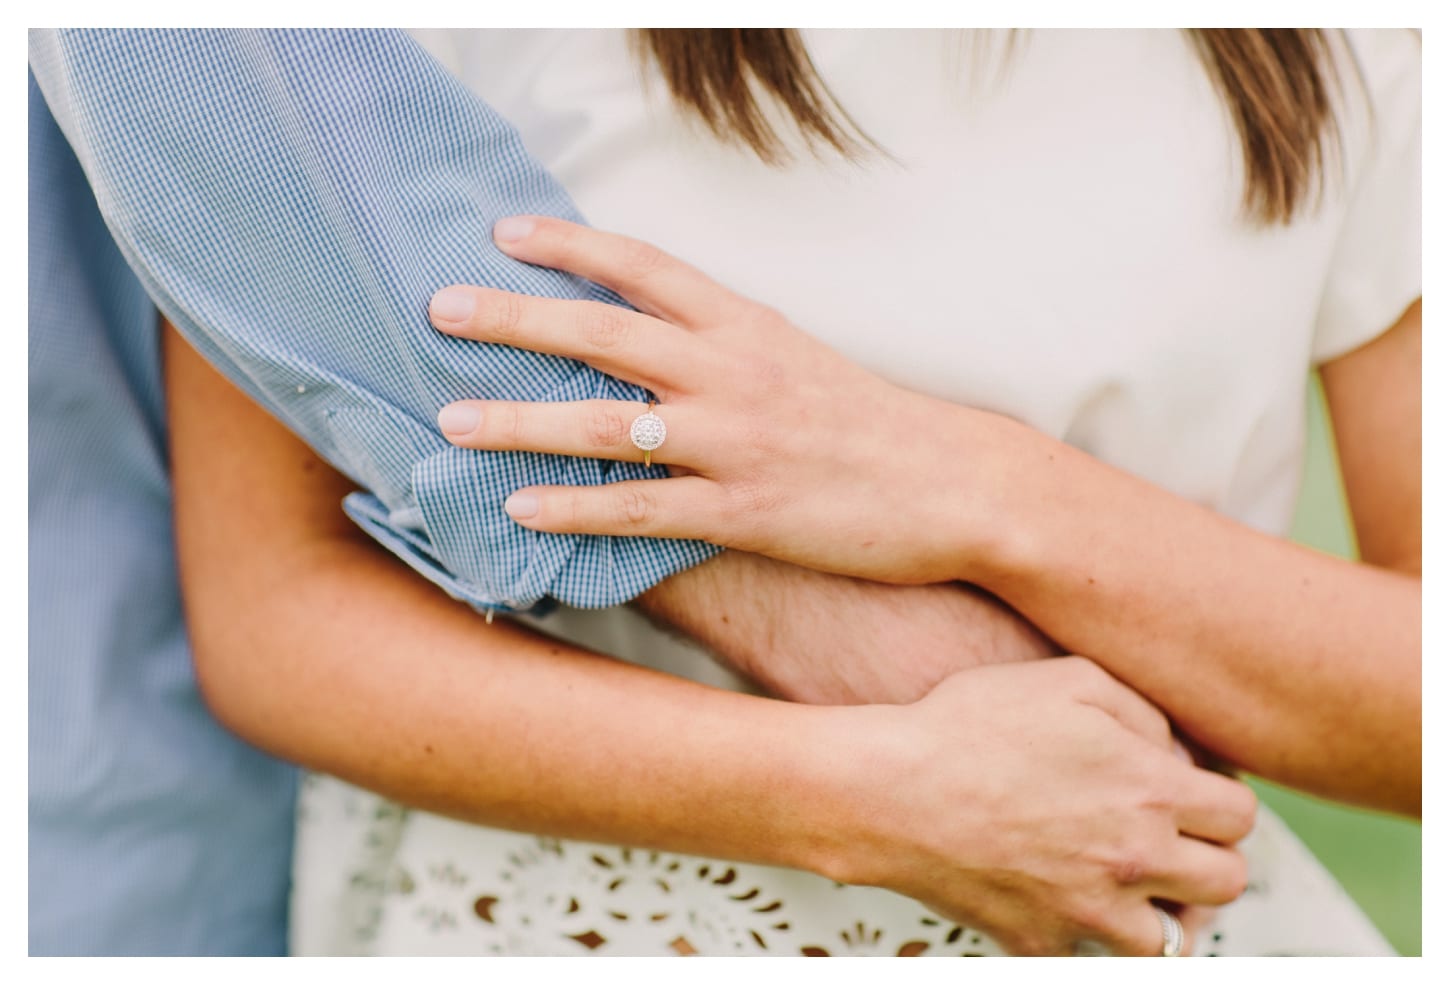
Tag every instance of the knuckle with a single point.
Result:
(1129, 868)
(503, 425)
(635, 507)
(751, 497)
(506, 316)
(606, 327)
(569, 508)
(603, 428)
(639, 260)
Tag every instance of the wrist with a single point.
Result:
(854, 760)
(802, 784)
(1007, 468)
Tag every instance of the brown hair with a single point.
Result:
(1274, 82)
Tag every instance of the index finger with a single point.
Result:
(644, 275)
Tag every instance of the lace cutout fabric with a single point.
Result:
(375, 878)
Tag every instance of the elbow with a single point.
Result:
(260, 640)
(245, 625)
(226, 667)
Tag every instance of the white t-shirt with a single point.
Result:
(1058, 237)
(1055, 237)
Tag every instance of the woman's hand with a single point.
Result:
(1042, 803)
(780, 446)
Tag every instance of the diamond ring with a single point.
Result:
(647, 432)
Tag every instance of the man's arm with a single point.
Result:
(292, 199)
(827, 639)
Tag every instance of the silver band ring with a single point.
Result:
(647, 432)
(1172, 932)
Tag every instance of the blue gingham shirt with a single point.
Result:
(151, 830)
(290, 200)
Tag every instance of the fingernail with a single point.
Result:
(459, 418)
(512, 229)
(452, 304)
(522, 505)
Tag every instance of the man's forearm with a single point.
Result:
(826, 639)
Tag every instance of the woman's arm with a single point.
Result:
(1374, 403)
(313, 643)
(1299, 666)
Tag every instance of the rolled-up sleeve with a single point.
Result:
(291, 200)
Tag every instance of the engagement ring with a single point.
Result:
(647, 432)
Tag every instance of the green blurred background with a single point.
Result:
(1375, 857)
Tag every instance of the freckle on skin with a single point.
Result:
(428, 750)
